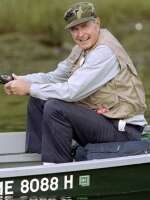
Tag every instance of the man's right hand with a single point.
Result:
(18, 87)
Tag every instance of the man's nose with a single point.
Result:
(80, 33)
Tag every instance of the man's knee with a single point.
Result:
(34, 101)
(53, 106)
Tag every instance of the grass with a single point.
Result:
(46, 16)
(26, 54)
(13, 112)
(33, 39)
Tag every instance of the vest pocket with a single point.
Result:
(108, 100)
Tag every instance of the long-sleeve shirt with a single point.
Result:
(100, 66)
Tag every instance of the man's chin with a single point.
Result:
(86, 46)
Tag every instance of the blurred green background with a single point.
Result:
(32, 39)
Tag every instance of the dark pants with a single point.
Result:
(53, 124)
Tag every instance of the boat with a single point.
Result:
(23, 174)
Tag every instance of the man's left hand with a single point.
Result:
(102, 109)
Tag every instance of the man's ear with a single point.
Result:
(98, 20)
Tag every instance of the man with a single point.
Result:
(93, 96)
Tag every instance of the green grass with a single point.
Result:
(23, 54)
(32, 39)
(13, 112)
(46, 16)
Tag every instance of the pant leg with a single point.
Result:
(133, 132)
(56, 134)
(52, 125)
(34, 123)
(63, 121)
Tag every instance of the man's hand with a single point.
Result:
(17, 87)
(102, 109)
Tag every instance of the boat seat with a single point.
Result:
(12, 142)
(12, 151)
(147, 129)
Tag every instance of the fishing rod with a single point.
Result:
(5, 78)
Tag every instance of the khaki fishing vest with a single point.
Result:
(124, 95)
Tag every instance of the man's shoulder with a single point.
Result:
(104, 49)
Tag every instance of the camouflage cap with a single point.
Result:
(79, 13)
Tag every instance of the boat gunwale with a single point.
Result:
(74, 166)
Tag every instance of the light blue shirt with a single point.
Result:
(100, 66)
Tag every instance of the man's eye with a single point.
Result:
(73, 29)
(84, 25)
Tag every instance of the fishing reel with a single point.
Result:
(5, 78)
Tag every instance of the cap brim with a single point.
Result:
(78, 21)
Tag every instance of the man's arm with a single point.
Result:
(100, 66)
(20, 85)
(58, 75)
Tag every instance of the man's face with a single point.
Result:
(86, 34)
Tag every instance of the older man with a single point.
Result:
(93, 96)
